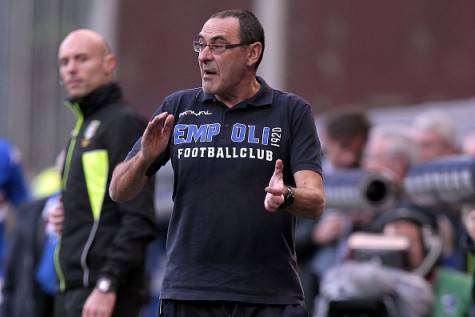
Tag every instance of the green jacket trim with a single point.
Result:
(96, 170)
(67, 164)
(57, 266)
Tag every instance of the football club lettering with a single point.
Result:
(241, 134)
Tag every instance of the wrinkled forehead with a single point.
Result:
(220, 29)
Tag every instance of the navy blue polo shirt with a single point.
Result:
(222, 244)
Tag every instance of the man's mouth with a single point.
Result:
(74, 82)
(208, 72)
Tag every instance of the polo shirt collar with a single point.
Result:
(262, 98)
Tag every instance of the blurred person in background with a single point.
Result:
(13, 186)
(436, 135)
(468, 144)
(13, 191)
(101, 252)
(237, 192)
(399, 287)
(452, 289)
(318, 243)
(30, 279)
(344, 140)
(391, 150)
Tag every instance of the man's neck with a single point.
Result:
(250, 87)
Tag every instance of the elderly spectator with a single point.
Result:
(435, 135)
(392, 150)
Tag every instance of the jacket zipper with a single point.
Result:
(67, 165)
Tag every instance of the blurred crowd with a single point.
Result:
(407, 259)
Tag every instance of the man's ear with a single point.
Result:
(110, 62)
(255, 51)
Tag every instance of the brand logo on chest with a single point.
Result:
(193, 113)
(90, 132)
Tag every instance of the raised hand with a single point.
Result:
(275, 191)
(156, 136)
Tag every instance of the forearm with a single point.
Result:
(308, 203)
(128, 178)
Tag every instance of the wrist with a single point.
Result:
(144, 160)
(289, 197)
(106, 284)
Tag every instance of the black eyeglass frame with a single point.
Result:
(198, 47)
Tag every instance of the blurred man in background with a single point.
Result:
(435, 134)
(318, 243)
(100, 259)
(344, 140)
(452, 289)
(391, 150)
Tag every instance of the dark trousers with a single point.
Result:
(173, 308)
(71, 302)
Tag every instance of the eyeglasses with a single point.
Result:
(214, 48)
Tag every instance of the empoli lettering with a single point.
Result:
(241, 131)
(238, 134)
(188, 133)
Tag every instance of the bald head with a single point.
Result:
(85, 62)
(90, 36)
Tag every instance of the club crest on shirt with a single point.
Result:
(89, 133)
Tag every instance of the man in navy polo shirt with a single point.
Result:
(246, 160)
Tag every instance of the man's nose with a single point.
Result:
(205, 55)
(71, 67)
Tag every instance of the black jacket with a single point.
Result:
(22, 295)
(101, 237)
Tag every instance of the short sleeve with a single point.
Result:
(305, 148)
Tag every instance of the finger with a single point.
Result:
(279, 167)
(159, 125)
(58, 229)
(159, 121)
(55, 212)
(156, 123)
(274, 191)
(169, 120)
(168, 125)
(269, 206)
(56, 222)
(272, 203)
(150, 130)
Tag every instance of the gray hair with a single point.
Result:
(438, 122)
(399, 140)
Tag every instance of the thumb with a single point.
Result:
(279, 167)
